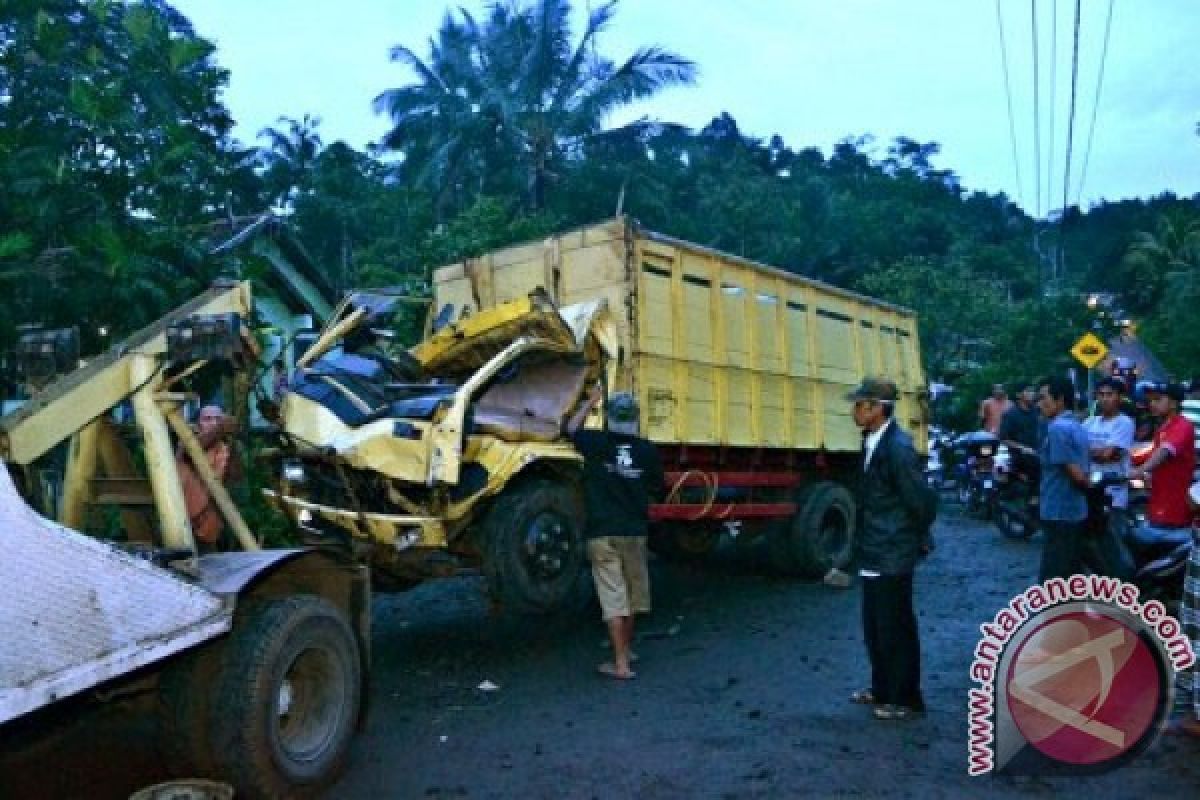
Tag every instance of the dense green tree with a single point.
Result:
(112, 141)
(515, 90)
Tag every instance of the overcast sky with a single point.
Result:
(813, 71)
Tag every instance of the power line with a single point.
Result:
(1012, 127)
(1087, 152)
(1053, 95)
(1070, 125)
(1037, 118)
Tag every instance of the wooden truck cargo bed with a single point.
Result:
(720, 351)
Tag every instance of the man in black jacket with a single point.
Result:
(894, 519)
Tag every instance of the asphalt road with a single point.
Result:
(741, 693)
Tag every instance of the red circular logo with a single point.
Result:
(1084, 688)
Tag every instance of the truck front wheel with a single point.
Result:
(533, 546)
(820, 536)
(287, 701)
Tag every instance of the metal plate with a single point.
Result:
(75, 612)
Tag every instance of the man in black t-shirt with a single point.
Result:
(1022, 423)
(622, 476)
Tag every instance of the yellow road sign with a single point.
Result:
(1089, 350)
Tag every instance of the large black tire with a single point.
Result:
(820, 536)
(533, 546)
(287, 701)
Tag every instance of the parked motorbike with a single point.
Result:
(1120, 544)
(1017, 474)
(938, 464)
(974, 454)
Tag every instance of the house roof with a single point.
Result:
(229, 235)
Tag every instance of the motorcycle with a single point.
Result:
(1018, 482)
(1119, 543)
(936, 464)
(974, 455)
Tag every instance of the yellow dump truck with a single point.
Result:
(741, 370)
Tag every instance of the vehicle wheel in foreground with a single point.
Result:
(533, 546)
(287, 701)
(820, 536)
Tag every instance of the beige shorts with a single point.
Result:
(619, 569)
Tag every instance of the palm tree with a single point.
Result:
(291, 153)
(1169, 255)
(515, 96)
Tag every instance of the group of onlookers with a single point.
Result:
(1070, 449)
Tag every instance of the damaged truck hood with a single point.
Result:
(461, 348)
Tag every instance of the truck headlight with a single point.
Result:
(293, 472)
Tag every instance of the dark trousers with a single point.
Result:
(890, 631)
(1062, 552)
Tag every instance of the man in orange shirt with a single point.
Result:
(212, 430)
(993, 409)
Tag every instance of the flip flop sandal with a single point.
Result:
(610, 671)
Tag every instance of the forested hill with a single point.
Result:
(115, 147)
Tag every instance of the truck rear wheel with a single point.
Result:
(287, 701)
(533, 546)
(820, 536)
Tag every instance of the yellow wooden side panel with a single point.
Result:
(699, 404)
(654, 379)
(518, 279)
(767, 332)
(738, 407)
(655, 311)
(453, 290)
(774, 427)
(840, 432)
(737, 337)
(869, 344)
(797, 328)
(805, 431)
(837, 356)
(697, 314)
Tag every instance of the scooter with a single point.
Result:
(974, 453)
(936, 466)
(1017, 475)
(1122, 545)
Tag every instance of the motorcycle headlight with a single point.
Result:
(985, 451)
(293, 472)
(1137, 483)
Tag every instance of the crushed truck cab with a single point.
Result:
(452, 455)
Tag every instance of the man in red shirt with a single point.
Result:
(1173, 459)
